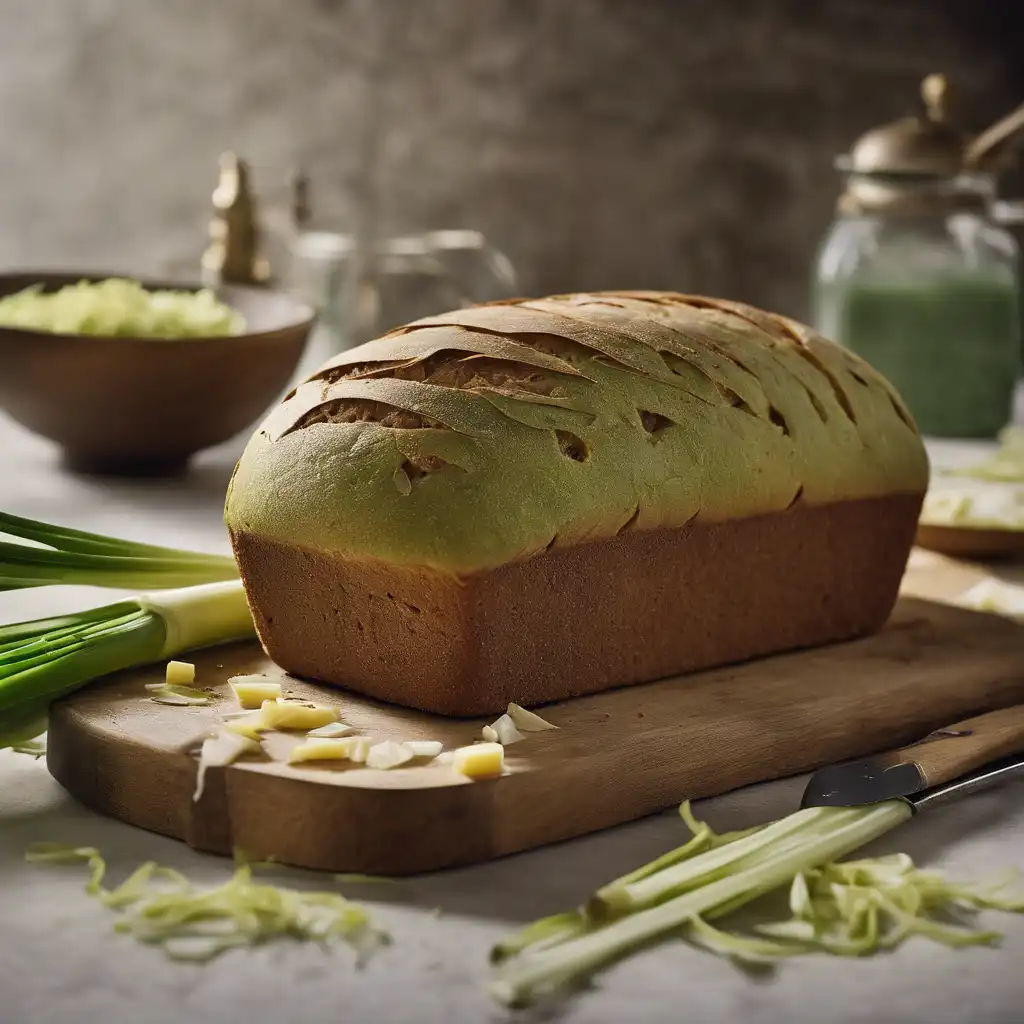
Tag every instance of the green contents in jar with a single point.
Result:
(949, 345)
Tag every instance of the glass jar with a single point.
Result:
(363, 290)
(927, 290)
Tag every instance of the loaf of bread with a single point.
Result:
(534, 500)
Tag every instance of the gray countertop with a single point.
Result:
(61, 962)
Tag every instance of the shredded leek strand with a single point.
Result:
(545, 932)
(61, 853)
(159, 906)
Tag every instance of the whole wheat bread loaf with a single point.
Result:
(532, 500)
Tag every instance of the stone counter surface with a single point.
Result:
(61, 963)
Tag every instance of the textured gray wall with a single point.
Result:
(603, 143)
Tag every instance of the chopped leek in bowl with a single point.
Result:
(975, 507)
(118, 307)
(133, 377)
(979, 507)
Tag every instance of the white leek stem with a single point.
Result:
(619, 898)
(214, 613)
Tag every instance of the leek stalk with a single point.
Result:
(851, 908)
(59, 555)
(46, 659)
(714, 885)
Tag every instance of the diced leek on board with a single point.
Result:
(180, 673)
(252, 691)
(528, 721)
(283, 714)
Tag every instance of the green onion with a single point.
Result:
(48, 658)
(59, 555)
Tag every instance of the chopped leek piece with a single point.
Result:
(1006, 465)
(218, 751)
(48, 658)
(159, 906)
(424, 748)
(359, 750)
(248, 724)
(44, 554)
(180, 673)
(166, 693)
(527, 721)
(387, 755)
(330, 731)
(480, 761)
(503, 731)
(992, 595)
(994, 499)
(252, 691)
(280, 714)
(339, 749)
(993, 508)
(62, 853)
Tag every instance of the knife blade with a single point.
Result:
(945, 756)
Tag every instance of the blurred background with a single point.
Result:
(599, 143)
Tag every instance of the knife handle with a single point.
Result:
(954, 750)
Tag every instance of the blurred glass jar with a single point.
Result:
(916, 276)
(364, 290)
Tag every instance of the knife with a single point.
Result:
(955, 760)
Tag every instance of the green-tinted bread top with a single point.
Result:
(486, 435)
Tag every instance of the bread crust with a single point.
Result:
(643, 605)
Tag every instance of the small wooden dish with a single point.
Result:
(137, 406)
(971, 542)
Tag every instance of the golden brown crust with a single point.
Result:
(583, 618)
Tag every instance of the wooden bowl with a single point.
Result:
(137, 406)
(971, 542)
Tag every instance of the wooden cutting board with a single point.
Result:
(616, 755)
